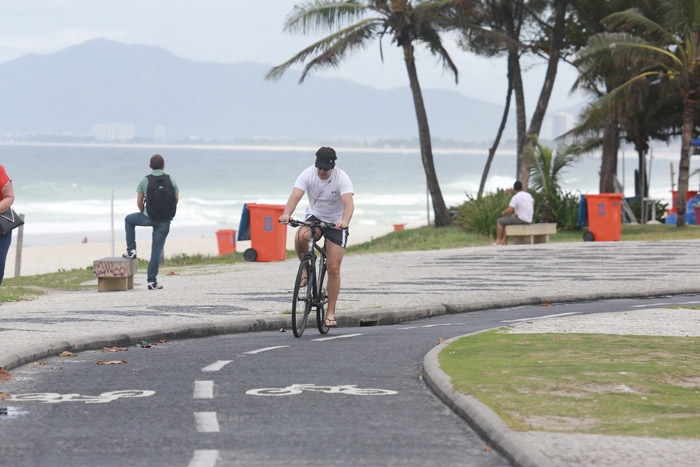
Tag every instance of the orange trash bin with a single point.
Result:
(605, 216)
(268, 238)
(226, 240)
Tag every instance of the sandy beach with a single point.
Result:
(45, 259)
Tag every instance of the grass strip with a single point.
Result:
(645, 386)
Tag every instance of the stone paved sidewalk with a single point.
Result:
(388, 288)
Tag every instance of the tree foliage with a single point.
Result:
(667, 49)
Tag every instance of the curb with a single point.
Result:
(52, 349)
(360, 318)
(480, 417)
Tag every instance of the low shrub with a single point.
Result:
(479, 215)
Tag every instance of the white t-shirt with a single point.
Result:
(524, 205)
(324, 195)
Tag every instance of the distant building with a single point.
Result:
(113, 132)
(159, 134)
(561, 123)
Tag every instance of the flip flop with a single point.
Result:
(328, 322)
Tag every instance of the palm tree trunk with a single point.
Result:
(504, 119)
(608, 163)
(520, 113)
(684, 166)
(513, 30)
(442, 216)
(641, 184)
(545, 93)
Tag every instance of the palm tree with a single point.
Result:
(516, 27)
(670, 49)
(353, 24)
(554, 54)
(504, 20)
(601, 74)
(545, 174)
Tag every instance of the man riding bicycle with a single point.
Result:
(329, 191)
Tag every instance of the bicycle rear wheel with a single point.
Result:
(322, 304)
(301, 302)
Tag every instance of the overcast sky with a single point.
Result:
(231, 31)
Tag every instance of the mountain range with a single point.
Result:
(103, 82)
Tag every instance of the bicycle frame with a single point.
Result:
(311, 256)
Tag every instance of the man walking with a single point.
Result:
(157, 198)
(330, 193)
(523, 204)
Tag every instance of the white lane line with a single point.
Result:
(435, 325)
(216, 366)
(320, 339)
(540, 317)
(206, 422)
(203, 390)
(652, 304)
(265, 349)
(204, 458)
(689, 303)
(410, 327)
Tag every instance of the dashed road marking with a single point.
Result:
(204, 458)
(203, 390)
(690, 303)
(216, 366)
(321, 339)
(206, 422)
(540, 317)
(436, 325)
(409, 327)
(265, 349)
(652, 304)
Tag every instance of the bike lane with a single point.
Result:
(357, 399)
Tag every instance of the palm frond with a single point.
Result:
(329, 50)
(326, 15)
(682, 15)
(634, 18)
(620, 46)
(431, 38)
(348, 41)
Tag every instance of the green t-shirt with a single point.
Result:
(143, 185)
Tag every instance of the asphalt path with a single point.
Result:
(352, 397)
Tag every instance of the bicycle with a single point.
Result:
(315, 291)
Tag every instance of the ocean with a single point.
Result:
(65, 190)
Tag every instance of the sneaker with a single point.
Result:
(131, 254)
(154, 286)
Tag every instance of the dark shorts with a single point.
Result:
(511, 220)
(339, 237)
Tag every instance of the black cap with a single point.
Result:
(325, 158)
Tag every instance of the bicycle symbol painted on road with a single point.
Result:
(55, 398)
(350, 389)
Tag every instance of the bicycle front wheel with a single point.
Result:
(301, 302)
(322, 304)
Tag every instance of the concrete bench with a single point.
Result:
(115, 273)
(530, 233)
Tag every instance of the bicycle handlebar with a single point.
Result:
(296, 223)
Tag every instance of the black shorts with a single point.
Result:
(339, 237)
